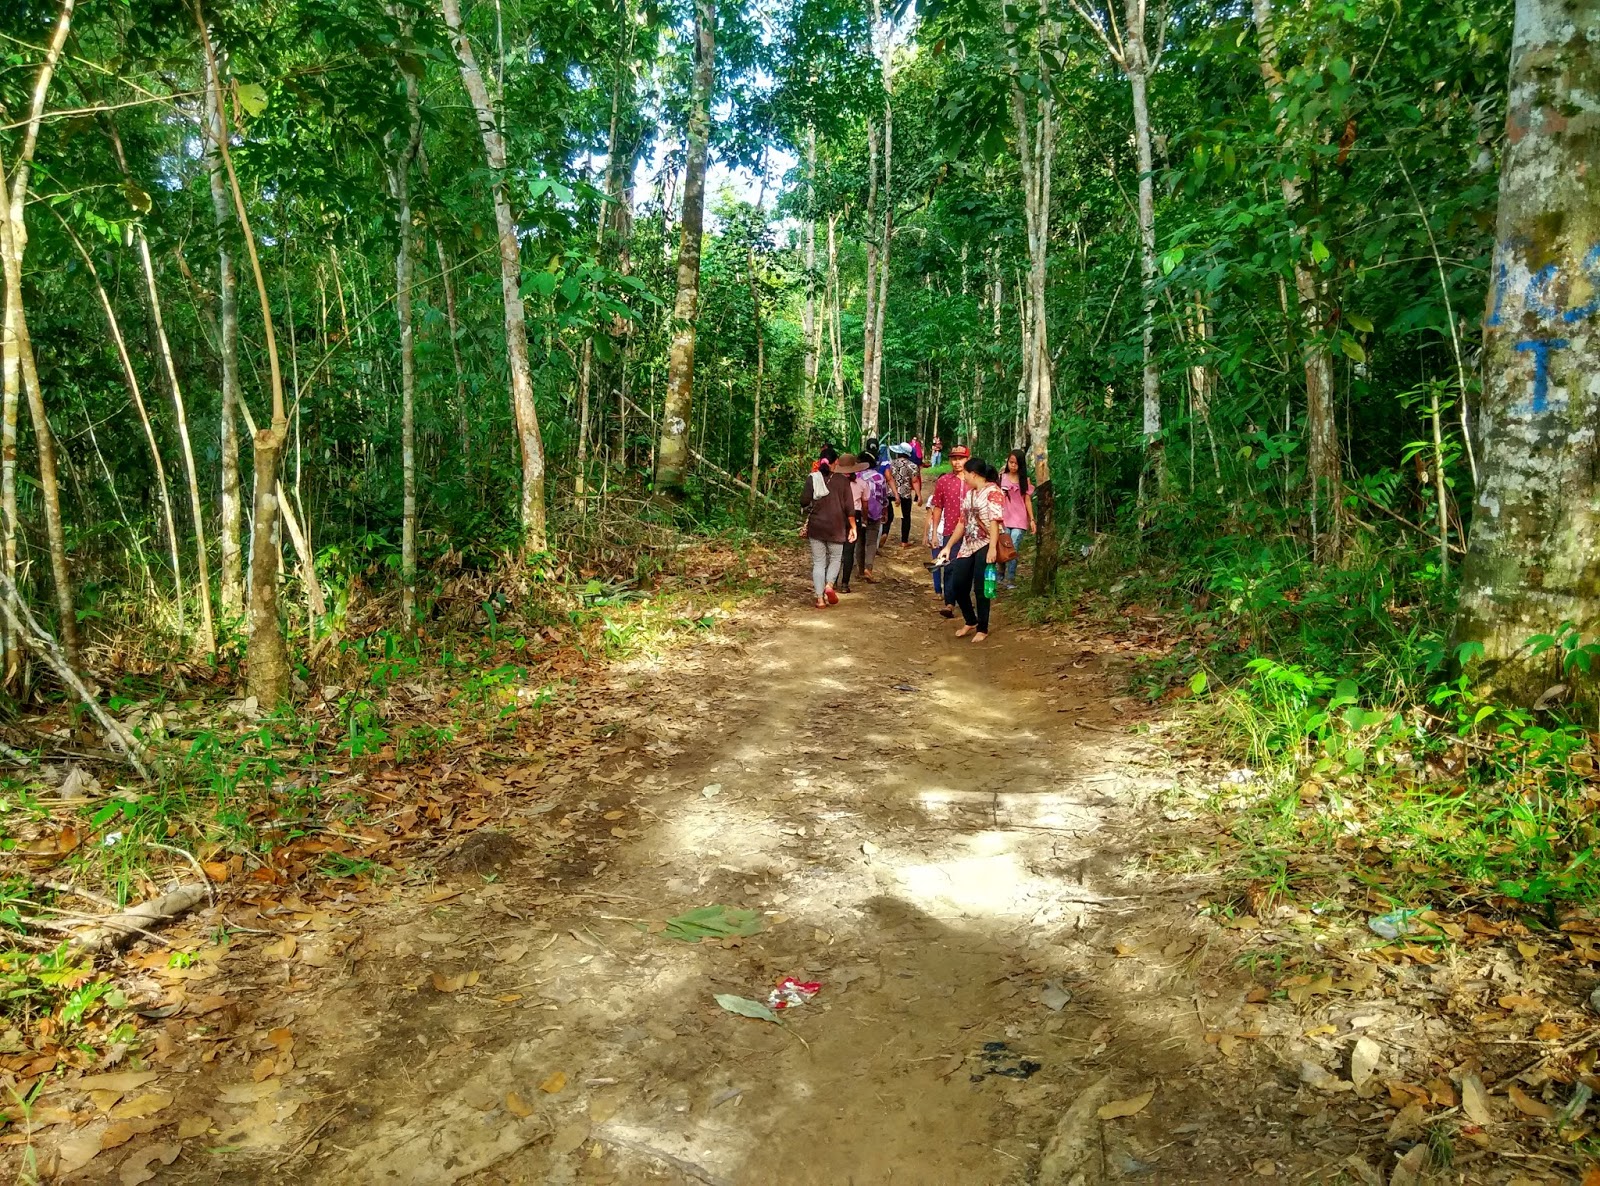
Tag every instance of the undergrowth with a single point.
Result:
(242, 794)
(1362, 757)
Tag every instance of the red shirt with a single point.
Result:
(946, 502)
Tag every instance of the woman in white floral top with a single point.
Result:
(973, 542)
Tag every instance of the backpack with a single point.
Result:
(877, 496)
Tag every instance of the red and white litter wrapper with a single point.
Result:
(791, 992)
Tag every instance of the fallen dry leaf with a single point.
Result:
(1475, 1101)
(118, 1081)
(554, 1083)
(193, 1126)
(456, 983)
(283, 949)
(1132, 1106)
(136, 1168)
(1409, 1169)
(517, 1106)
(76, 1151)
(147, 1104)
(1527, 1105)
(569, 1137)
(1314, 1075)
(1364, 1058)
(1547, 1031)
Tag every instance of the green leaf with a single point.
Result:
(1319, 251)
(712, 922)
(252, 97)
(1352, 348)
(745, 1007)
(1197, 683)
(1357, 321)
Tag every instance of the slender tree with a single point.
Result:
(533, 516)
(672, 452)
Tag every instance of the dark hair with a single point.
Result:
(1022, 468)
(977, 465)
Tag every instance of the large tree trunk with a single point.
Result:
(400, 186)
(1534, 558)
(532, 511)
(1322, 436)
(1036, 156)
(20, 372)
(231, 527)
(672, 455)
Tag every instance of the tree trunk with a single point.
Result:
(230, 529)
(887, 240)
(400, 187)
(1533, 564)
(761, 374)
(191, 474)
(267, 656)
(532, 511)
(835, 325)
(1138, 79)
(672, 456)
(20, 372)
(1322, 437)
(869, 320)
(136, 397)
(808, 313)
(1036, 141)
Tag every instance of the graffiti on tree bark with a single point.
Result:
(1547, 303)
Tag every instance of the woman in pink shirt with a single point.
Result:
(1017, 518)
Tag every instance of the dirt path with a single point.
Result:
(933, 830)
(940, 833)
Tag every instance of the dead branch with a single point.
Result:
(116, 929)
(21, 622)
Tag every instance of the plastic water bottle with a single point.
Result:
(989, 575)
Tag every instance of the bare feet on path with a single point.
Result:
(943, 836)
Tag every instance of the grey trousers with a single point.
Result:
(825, 561)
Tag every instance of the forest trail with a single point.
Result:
(935, 831)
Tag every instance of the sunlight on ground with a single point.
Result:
(992, 881)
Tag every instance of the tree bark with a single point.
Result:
(835, 326)
(230, 529)
(1533, 562)
(1036, 141)
(196, 510)
(808, 313)
(136, 397)
(1139, 80)
(20, 371)
(267, 656)
(532, 510)
(1322, 436)
(672, 455)
(400, 187)
(761, 372)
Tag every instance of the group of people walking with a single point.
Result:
(977, 516)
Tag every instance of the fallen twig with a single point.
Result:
(116, 929)
(687, 1168)
(211, 891)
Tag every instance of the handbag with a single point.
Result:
(1005, 550)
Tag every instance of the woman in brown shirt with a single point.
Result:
(829, 504)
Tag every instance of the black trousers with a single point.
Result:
(905, 519)
(966, 575)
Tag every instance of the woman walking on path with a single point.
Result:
(944, 512)
(829, 505)
(976, 538)
(905, 471)
(1018, 518)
